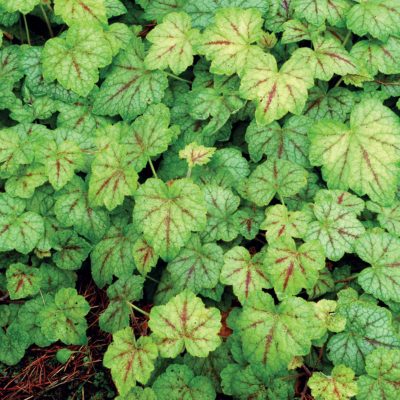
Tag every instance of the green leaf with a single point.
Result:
(121, 293)
(388, 217)
(168, 213)
(113, 177)
(221, 220)
(328, 57)
(19, 230)
(138, 393)
(378, 56)
(336, 228)
(72, 250)
(64, 317)
(272, 335)
(383, 376)
(289, 142)
(281, 222)
(340, 385)
(172, 44)
(23, 6)
(185, 323)
(72, 209)
(249, 220)
(74, 60)
(22, 281)
(144, 256)
(335, 103)
(197, 266)
(149, 135)
(316, 11)
(274, 177)
(292, 269)
(61, 159)
(368, 327)
(380, 18)
(179, 382)
(24, 184)
(244, 272)
(75, 11)
(158, 9)
(13, 345)
(113, 255)
(373, 135)
(276, 92)
(130, 360)
(229, 42)
(130, 87)
(381, 250)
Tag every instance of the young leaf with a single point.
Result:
(74, 60)
(274, 177)
(197, 266)
(245, 273)
(121, 293)
(167, 214)
(340, 385)
(228, 43)
(185, 323)
(130, 360)
(22, 281)
(195, 154)
(172, 44)
(113, 177)
(290, 269)
(272, 335)
(383, 375)
(373, 134)
(276, 92)
(179, 381)
(381, 250)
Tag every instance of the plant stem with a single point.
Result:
(178, 78)
(152, 168)
(46, 19)
(138, 309)
(28, 37)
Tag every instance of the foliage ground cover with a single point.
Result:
(200, 199)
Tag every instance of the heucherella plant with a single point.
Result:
(201, 198)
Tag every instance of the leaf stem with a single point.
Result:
(28, 37)
(348, 279)
(152, 279)
(152, 168)
(46, 19)
(338, 82)
(346, 39)
(138, 309)
(281, 199)
(189, 172)
(178, 78)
